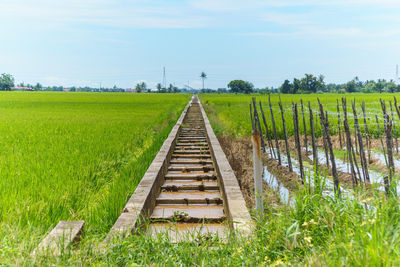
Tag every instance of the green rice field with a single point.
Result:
(75, 156)
(233, 110)
(79, 156)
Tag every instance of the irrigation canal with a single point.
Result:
(189, 191)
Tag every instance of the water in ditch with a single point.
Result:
(278, 187)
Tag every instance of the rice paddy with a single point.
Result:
(75, 156)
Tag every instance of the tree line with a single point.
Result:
(308, 84)
(312, 84)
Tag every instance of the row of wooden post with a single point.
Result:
(358, 173)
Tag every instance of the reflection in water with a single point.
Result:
(278, 187)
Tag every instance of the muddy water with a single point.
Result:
(278, 187)
(381, 158)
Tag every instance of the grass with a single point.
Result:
(233, 111)
(318, 230)
(74, 156)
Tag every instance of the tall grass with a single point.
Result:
(75, 156)
(317, 231)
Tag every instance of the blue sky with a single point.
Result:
(122, 42)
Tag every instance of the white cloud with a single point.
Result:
(286, 19)
(125, 14)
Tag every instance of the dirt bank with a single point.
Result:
(239, 154)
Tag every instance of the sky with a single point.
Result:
(123, 42)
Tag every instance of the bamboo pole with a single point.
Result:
(367, 136)
(364, 165)
(251, 116)
(348, 142)
(314, 146)
(275, 134)
(332, 155)
(394, 133)
(304, 126)
(338, 115)
(380, 138)
(297, 139)
(271, 146)
(286, 136)
(258, 124)
(389, 147)
(321, 121)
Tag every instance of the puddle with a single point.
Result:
(381, 158)
(342, 166)
(309, 176)
(278, 187)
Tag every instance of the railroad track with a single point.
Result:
(189, 190)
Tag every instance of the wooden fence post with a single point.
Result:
(389, 147)
(348, 142)
(297, 139)
(286, 136)
(324, 119)
(274, 127)
(304, 126)
(338, 115)
(381, 139)
(394, 128)
(360, 143)
(271, 147)
(314, 146)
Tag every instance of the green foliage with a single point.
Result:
(316, 231)
(240, 86)
(6, 82)
(286, 87)
(232, 111)
(141, 87)
(308, 84)
(203, 76)
(75, 156)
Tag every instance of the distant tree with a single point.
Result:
(296, 86)
(170, 88)
(38, 87)
(391, 87)
(311, 84)
(350, 86)
(380, 85)
(6, 82)
(138, 88)
(321, 83)
(143, 85)
(73, 89)
(159, 87)
(370, 87)
(203, 76)
(240, 86)
(286, 87)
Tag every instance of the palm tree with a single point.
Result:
(203, 76)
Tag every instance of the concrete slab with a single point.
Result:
(233, 198)
(65, 234)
